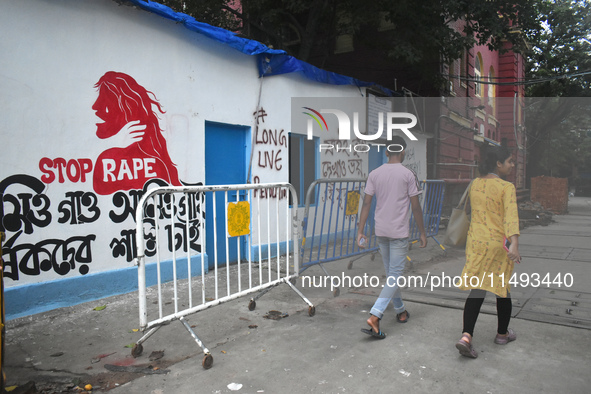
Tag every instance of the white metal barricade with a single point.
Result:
(247, 234)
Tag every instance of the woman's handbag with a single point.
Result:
(459, 222)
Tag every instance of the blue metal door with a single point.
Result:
(376, 159)
(227, 151)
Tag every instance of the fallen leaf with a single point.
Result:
(28, 387)
(253, 326)
(130, 345)
(57, 354)
(100, 308)
(223, 351)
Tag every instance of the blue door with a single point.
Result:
(227, 151)
(376, 159)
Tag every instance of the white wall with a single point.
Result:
(53, 54)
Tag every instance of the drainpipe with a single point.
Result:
(436, 145)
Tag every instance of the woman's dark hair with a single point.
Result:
(490, 156)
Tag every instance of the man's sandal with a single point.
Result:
(399, 320)
(377, 335)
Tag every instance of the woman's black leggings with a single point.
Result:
(472, 309)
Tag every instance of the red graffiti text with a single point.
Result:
(74, 170)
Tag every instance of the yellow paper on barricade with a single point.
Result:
(352, 207)
(238, 218)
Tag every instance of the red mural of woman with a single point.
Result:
(130, 119)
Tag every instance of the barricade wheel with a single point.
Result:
(137, 350)
(311, 311)
(373, 256)
(350, 265)
(252, 305)
(336, 292)
(207, 361)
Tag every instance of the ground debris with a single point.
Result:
(32, 387)
(156, 355)
(100, 357)
(145, 369)
(533, 214)
(27, 388)
(275, 315)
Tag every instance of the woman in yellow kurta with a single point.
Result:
(489, 265)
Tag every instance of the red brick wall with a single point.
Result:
(552, 193)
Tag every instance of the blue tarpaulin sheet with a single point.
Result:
(270, 61)
(276, 64)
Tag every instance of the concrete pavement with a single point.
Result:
(327, 353)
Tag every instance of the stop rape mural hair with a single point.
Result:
(127, 107)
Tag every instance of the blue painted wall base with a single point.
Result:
(42, 297)
(265, 249)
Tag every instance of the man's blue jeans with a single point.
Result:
(394, 255)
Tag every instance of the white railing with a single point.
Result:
(236, 240)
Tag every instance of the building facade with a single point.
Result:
(482, 104)
(104, 101)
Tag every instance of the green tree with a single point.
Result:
(561, 50)
(416, 30)
(559, 67)
(214, 12)
(561, 143)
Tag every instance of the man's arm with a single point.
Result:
(363, 218)
(417, 212)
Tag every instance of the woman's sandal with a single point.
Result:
(466, 349)
(505, 339)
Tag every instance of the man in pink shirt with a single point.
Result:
(393, 186)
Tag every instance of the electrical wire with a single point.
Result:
(517, 81)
